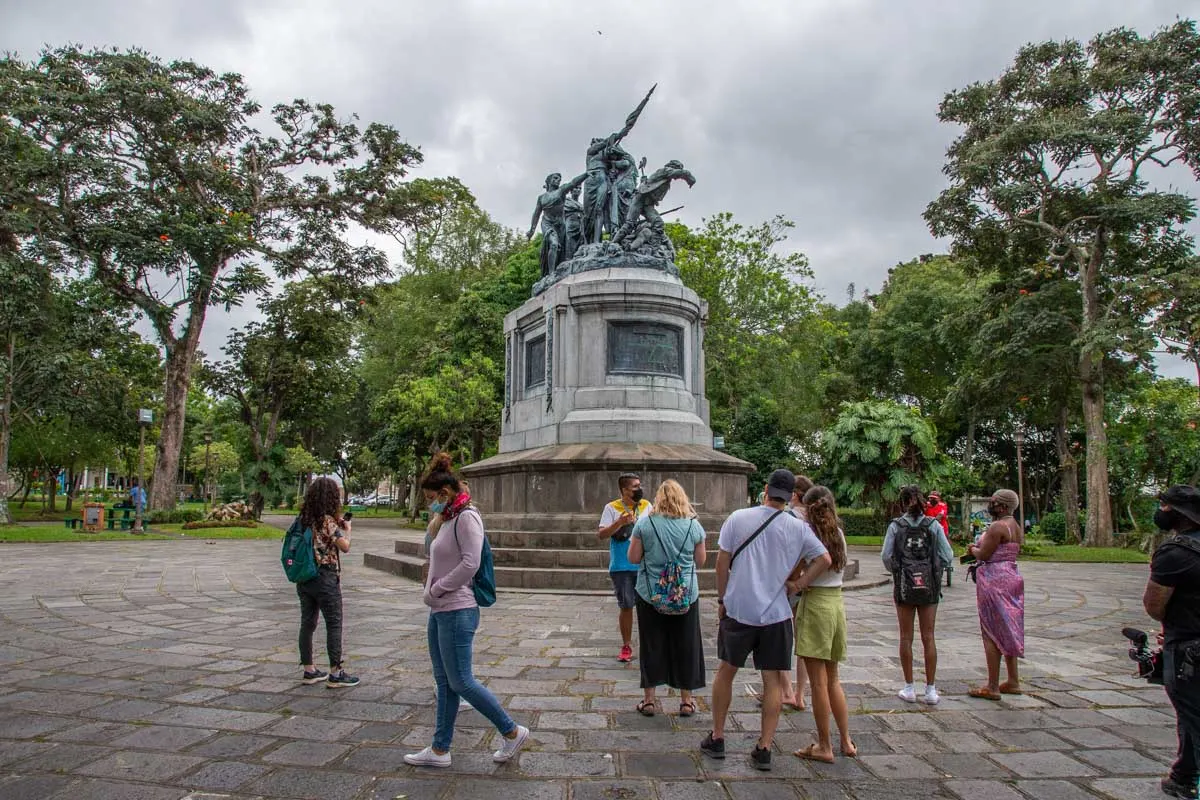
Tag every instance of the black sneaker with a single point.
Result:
(340, 680)
(1176, 789)
(761, 758)
(713, 748)
(316, 676)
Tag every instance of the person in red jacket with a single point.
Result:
(938, 509)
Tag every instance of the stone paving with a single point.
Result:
(156, 670)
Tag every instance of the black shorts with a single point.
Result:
(770, 644)
(624, 588)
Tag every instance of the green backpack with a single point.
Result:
(299, 557)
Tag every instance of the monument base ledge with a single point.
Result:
(616, 456)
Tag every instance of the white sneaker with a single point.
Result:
(428, 758)
(931, 696)
(908, 694)
(509, 747)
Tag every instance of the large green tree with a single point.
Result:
(763, 338)
(154, 179)
(1053, 163)
(874, 448)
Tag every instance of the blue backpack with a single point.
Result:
(484, 582)
(299, 558)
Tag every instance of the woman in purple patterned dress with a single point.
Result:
(1000, 595)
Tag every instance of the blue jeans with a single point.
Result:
(451, 634)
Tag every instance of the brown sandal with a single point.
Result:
(983, 693)
(687, 708)
(646, 708)
(1008, 687)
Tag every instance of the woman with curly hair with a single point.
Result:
(454, 557)
(821, 630)
(321, 513)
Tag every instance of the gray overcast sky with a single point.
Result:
(821, 110)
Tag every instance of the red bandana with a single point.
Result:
(456, 506)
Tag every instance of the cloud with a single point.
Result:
(824, 111)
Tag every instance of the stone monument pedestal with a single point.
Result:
(604, 374)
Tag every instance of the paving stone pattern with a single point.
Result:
(168, 670)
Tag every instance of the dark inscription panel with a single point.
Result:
(535, 362)
(645, 348)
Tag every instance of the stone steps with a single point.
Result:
(536, 568)
(556, 540)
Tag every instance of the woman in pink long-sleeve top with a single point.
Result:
(454, 617)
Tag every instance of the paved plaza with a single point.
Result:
(159, 670)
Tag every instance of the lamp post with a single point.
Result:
(207, 470)
(145, 417)
(1020, 440)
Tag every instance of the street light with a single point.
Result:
(207, 470)
(145, 417)
(1020, 440)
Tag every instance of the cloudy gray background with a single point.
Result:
(821, 110)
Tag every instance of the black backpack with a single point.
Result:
(915, 565)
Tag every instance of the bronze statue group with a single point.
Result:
(619, 201)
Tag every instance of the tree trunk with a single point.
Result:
(180, 358)
(968, 460)
(1091, 376)
(1068, 475)
(6, 425)
(50, 492)
(70, 501)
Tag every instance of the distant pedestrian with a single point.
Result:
(916, 552)
(821, 631)
(936, 507)
(616, 525)
(322, 514)
(762, 549)
(1000, 595)
(454, 558)
(137, 497)
(670, 650)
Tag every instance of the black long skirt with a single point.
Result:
(670, 649)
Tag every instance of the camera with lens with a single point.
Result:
(1149, 662)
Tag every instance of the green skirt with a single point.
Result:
(821, 624)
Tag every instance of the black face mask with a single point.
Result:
(637, 495)
(1167, 520)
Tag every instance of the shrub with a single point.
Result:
(862, 522)
(1054, 526)
(175, 516)
(218, 523)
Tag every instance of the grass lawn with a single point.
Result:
(17, 533)
(865, 541)
(1087, 555)
(261, 532)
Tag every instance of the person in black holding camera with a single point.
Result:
(1173, 598)
(616, 525)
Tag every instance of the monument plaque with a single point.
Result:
(645, 348)
(535, 362)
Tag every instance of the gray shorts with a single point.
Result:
(624, 590)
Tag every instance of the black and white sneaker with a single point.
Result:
(713, 748)
(1174, 788)
(761, 758)
(316, 676)
(340, 680)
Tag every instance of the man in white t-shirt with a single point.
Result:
(761, 549)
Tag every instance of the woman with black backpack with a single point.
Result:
(916, 552)
(454, 558)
